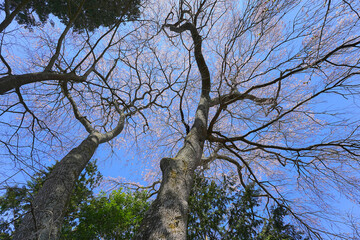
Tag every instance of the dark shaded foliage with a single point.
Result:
(221, 211)
(218, 210)
(93, 13)
(17, 200)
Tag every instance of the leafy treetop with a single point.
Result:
(217, 211)
(93, 13)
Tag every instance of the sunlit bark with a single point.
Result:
(167, 216)
(43, 221)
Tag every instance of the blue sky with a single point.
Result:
(129, 165)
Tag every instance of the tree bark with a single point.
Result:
(10, 82)
(167, 215)
(46, 214)
(44, 220)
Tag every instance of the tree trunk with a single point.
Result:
(167, 215)
(47, 208)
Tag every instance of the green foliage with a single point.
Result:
(275, 228)
(12, 204)
(219, 212)
(94, 13)
(82, 193)
(17, 200)
(116, 216)
(207, 204)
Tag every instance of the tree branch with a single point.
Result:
(15, 81)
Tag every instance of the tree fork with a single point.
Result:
(167, 215)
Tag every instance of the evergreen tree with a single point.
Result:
(217, 211)
(92, 14)
(17, 200)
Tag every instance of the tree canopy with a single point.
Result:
(267, 89)
(85, 15)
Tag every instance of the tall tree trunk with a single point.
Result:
(46, 214)
(44, 220)
(167, 215)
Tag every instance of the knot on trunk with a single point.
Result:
(168, 164)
